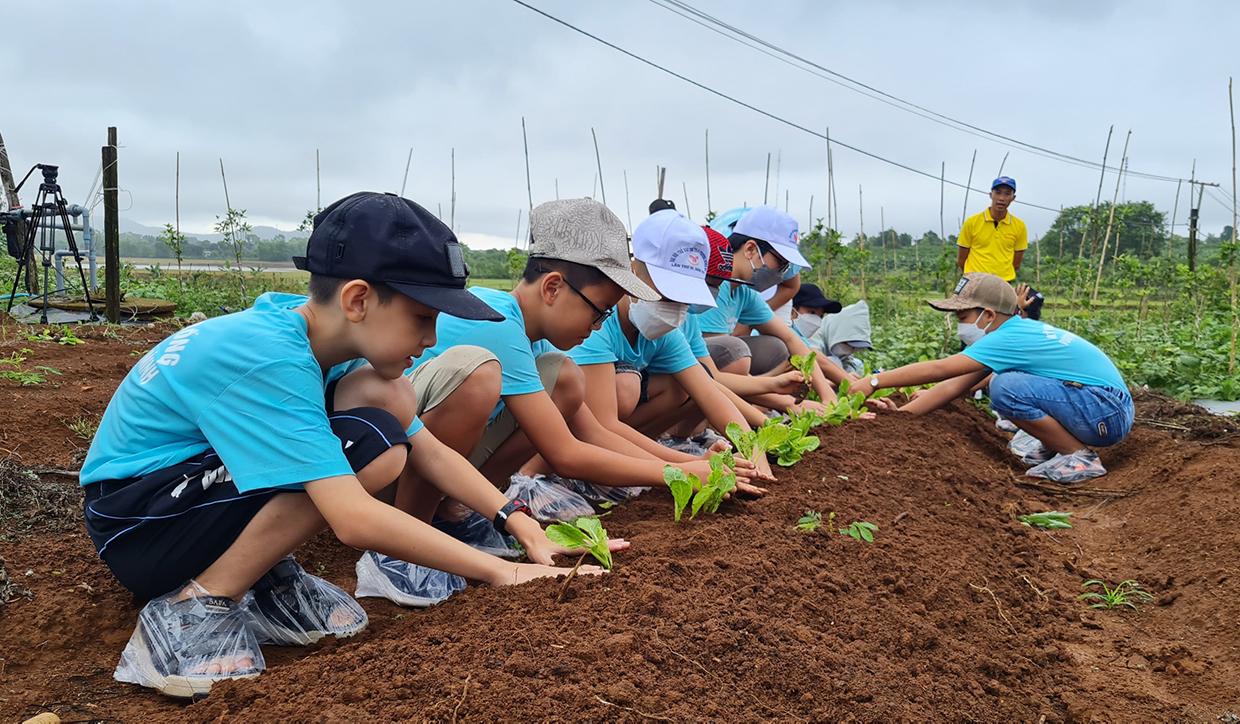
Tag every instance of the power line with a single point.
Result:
(758, 110)
(687, 11)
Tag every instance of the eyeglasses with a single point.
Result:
(600, 315)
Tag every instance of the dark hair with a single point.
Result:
(323, 289)
(579, 275)
(736, 241)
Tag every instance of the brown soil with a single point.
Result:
(956, 611)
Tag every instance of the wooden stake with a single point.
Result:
(529, 187)
(1097, 197)
(685, 188)
(942, 195)
(1060, 257)
(661, 179)
(405, 180)
(557, 189)
(452, 201)
(1002, 164)
(861, 240)
(516, 242)
(1174, 211)
(176, 206)
(318, 184)
(779, 164)
(628, 212)
(882, 229)
(964, 212)
(766, 185)
(1231, 266)
(835, 199)
(811, 211)
(1111, 217)
(599, 161)
(787, 200)
(111, 232)
(709, 207)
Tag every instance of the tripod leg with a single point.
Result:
(77, 257)
(24, 264)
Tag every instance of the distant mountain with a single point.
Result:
(129, 226)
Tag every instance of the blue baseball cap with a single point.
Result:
(385, 238)
(1003, 181)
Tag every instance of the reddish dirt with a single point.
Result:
(956, 611)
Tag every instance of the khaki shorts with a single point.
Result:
(434, 381)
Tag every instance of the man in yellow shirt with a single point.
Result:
(994, 241)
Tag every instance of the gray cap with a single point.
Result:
(979, 290)
(585, 232)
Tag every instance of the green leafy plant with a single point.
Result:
(810, 522)
(805, 364)
(15, 359)
(688, 490)
(860, 530)
(84, 427)
(1125, 593)
(795, 442)
(1049, 520)
(67, 337)
(752, 443)
(43, 335)
(583, 534)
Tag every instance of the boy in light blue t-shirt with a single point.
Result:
(1052, 384)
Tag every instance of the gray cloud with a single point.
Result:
(262, 85)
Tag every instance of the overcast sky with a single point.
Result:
(263, 84)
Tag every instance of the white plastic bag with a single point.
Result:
(404, 583)
(599, 494)
(289, 607)
(475, 530)
(177, 642)
(1029, 449)
(548, 501)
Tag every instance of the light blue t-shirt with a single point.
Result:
(692, 330)
(668, 354)
(245, 385)
(507, 340)
(736, 304)
(1026, 345)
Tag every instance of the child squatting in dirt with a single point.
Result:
(1056, 387)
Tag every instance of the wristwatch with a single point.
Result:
(512, 506)
(873, 382)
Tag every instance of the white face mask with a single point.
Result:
(969, 332)
(807, 324)
(655, 319)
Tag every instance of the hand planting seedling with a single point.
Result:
(805, 363)
(860, 530)
(810, 522)
(753, 443)
(1125, 593)
(584, 534)
(1048, 520)
(688, 489)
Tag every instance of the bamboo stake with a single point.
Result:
(177, 212)
(599, 161)
(964, 211)
(830, 181)
(404, 181)
(1231, 267)
(709, 207)
(861, 241)
(766, 185)
(1174, 210)
(529, 186)
(1060, 257)
(1111, 217)
(942, 195)
(787, 198)
(882, 229)
(1002, 163)
(318, 184)
(628, 212)
(662, 179)
(779, 164)
(685, 188)
(557, 188)
(811, 211)
(452, 206)
(516, 242)
(1097, 196)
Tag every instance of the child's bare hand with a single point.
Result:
(719, 446)
(882, 404)
(804, 405)
(751, 490)
(788, 383)
(544, 551)
(523, 572)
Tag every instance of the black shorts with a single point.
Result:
(160, 530)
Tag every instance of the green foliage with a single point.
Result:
(1125, 593)
(805, 364)
(810, 522)
(689, 490)
(31, 377)
(1049, 520)
(860, 531)
(84, 427)
(175, 241)
(585, 534)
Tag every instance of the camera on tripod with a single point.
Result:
(48, 214)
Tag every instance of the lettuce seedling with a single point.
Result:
(584, 534)
(860, 530)
(753, 443)
(1048, 520)
(805, 363)
(688, 490)
(810, 522)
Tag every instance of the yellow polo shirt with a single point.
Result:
(992, 245)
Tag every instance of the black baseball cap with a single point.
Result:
(391, 240)
(809, 295)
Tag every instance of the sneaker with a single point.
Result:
(1006, 425)
(176, 643)
(293, 608)
(1074, 468)
(402, 583)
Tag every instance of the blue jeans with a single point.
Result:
(1097, 416)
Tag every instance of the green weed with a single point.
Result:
(810, 522)
(1048, 520)
(1125, 593)
(860, 530)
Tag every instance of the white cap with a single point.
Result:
(674, 251)
(776, 228)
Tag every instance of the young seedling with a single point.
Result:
(1048, 520)
(810, 522)
(688, 490)
(796, 441)
(805, 363)
(860, 530)
(753, 443)
(584, 534)
(1125, 593)
(67, 337)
